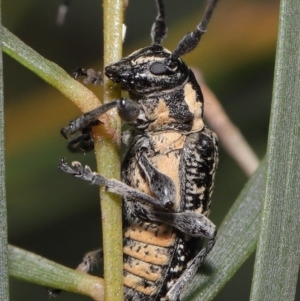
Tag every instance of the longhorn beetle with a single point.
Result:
(168, 171)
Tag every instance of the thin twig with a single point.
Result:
(108, 158)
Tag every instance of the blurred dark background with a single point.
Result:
(54, 216)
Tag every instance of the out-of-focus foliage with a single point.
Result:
(53, 216)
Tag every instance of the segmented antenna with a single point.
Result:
(159, 29)
(192, 39)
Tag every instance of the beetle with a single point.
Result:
(168, 171)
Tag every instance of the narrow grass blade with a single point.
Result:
(278, 255)
(4, 291)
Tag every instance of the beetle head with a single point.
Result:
(155, 69)
(148, 70)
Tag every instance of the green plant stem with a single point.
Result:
(278, 254)
(4, 290)
(36, 269)
(108, 159)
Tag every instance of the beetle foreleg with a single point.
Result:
(127, 109)
(82, 143)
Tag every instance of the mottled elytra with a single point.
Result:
(169, 168)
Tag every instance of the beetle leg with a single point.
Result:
(89, 261)
(91, 76)
(188, 222)
(174, 293)
(127, 109)
(84, 142)
(111, 185)
(160, 185)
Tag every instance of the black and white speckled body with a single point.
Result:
(171, 132)
(192, 166)
(168, 171)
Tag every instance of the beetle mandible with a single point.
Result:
(169, 169)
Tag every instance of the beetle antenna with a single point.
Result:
(159, 28)
(192, 39)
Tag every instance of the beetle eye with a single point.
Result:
(158, 68)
